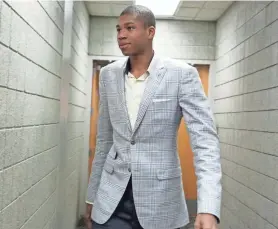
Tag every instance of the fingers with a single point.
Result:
(89, 224)
(197, 224)
(203, 225)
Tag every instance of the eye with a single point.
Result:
(129, 28)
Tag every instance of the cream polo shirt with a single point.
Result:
(134, 90)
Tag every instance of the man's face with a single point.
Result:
(132, 35)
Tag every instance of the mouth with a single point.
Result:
(123, 46)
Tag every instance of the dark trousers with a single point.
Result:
(125, 216)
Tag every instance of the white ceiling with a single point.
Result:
(187, 10)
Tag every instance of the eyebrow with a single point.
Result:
(127, 23)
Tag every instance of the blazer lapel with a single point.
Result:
(157, 72)
(121, 91)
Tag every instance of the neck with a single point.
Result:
(140, 63)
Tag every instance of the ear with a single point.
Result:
(151, 32)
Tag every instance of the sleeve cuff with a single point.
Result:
(210, 206)
(89, 202)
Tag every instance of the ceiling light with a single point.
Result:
(160, 7)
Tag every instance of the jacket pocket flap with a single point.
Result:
(108, 168)
(113, 153)
(169, 173)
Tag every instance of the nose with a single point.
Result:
(121, 35)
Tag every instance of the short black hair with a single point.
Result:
(141, 12)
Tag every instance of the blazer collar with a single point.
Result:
(155, 64)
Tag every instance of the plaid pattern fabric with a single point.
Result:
(149, 150)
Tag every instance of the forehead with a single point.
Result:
(128, 19)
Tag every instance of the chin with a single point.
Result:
(126, 53)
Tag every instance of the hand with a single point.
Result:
(88, 219)
(205, 221)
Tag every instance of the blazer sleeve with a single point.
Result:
(204, 141)
(104, 141)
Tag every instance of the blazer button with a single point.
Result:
(132, 142)
(129, 169)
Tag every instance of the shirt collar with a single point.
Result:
(151, 69)
(141, 78)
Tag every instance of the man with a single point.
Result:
(136, 174)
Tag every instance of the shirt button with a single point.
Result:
(132, 142)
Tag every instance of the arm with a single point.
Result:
(104, 141)
(204, 141)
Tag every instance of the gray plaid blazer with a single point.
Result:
(149, 150)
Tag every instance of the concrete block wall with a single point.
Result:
(30, 50)
(246, 111)
(31, 46)
(77, 97)
(187, 40)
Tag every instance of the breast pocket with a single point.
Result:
(164, 104)
(163, 109)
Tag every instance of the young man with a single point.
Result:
(136, 174)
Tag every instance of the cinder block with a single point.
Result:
(109, 36)
(76, 114)
(15, 107)
(241, 34)
(19, 179)
(74, 146)
(251, 159)
(264, 208)
(5, 24)
(17, 72)
(228, 44)
(62, 4)
(253, 140)
(254, 8)
(50, 111)
(51, 224)
(261, 80)
(76, 97)
(2, 150)
(259, 121)
(7, 188)
(52, 85)
(255, 24)
(44, 213)
(272, 12)
(77, 81)
(83, 16)
(262, 184)
(33, 110)
(249, 217)
(10, 216)
(3, 107)
(111, 49)
(35, 197)
(14, 144)
(272, 30)
(75, 129)
(231, 220)
(51, 136)
(19, 34)
(262, 59)
(55, 12)
(37, 18)
(241, 13)
(4, 65)
(1, 194)
(34, 79)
